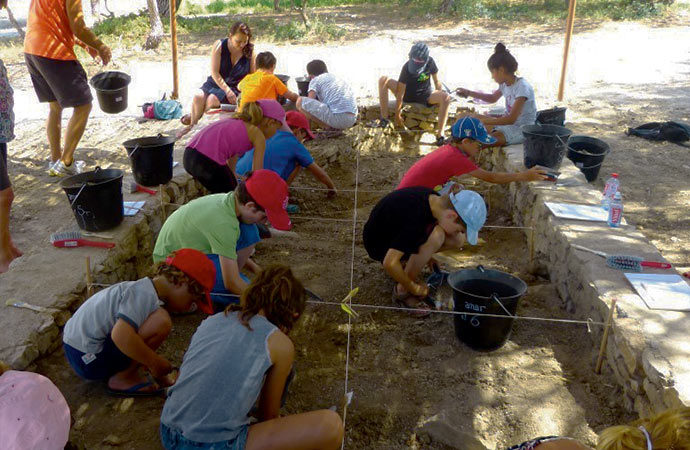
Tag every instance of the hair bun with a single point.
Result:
(500, 48)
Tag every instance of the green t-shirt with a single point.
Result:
(208, 224)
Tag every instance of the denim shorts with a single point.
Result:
(172, 439)
(512, 133)
(103, 364)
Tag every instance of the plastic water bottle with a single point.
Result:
(616, 210)
(610, 189)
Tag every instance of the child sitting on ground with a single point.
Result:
(330, 101)
(407, 226)
(414, 86)
(521, 109)
(262, 84)
(285, 154)
(119, 328)
(236, 358)
(223, 226)
(457, 158)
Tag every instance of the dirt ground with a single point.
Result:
(414, 384)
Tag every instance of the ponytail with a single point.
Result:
(251, 113)
(502, 58)
(667, 430)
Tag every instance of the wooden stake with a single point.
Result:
(89, 278)
(604, 339)
(173, 32)
(566, 47)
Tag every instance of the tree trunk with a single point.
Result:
(14, 22)
(156, 33)
(446, 6)
(303, 14)
(276, 5)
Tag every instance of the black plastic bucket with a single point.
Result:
(96, 198)
(544, 145)
(303, 85)
(151, 158)
(284, 79)
(553, 116)
(111, 90)
(488, 292)
(587, 153)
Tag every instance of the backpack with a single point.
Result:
(675, 132)
(167, 109)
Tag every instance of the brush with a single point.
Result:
(20, 304)
(625, 262)
(134, 187)
(69, 239)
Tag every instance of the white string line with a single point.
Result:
(333, 219)
(386, 191)
(441, 311)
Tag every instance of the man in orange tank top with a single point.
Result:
(52, 29)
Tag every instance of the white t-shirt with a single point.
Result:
(131, 301)
(521, 88)
(335, 93)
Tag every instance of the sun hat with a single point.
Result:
(299, 120)
(419, 56)
(33, 412)
(271, 193)
(198, 267)
(469, 127)
(272, 109)
(471, 208)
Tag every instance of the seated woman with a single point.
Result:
(231, 59)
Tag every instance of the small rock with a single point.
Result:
(126, 404)
(82, 409)
(79, 423)
(113, 440)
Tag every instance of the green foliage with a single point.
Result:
(129, 25)
(218, 6)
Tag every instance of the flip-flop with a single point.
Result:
(186, 119)
(422, 309)
(135, 391)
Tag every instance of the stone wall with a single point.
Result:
(417, 117)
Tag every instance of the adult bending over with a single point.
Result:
(231, 59)
(52, 29)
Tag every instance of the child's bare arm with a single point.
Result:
(132, 345)
(437, 84)
(533, 174)
(484, 96)
(257, 138)
(322, 176)
(231, 276)
(510, 118)
(291, 96)
(394, 268)
(293, 175)
(282, 352)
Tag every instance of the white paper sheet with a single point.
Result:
(132, 208)
(668, 292)
(592, 213)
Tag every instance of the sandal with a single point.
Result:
(135, 391)
(419, 310)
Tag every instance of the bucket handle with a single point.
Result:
(481, 268)
(74, 200)
(136, 147)
(494, 296)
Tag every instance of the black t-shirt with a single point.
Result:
(418, 87)
(401, 220)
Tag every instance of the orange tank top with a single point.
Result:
(48, 33)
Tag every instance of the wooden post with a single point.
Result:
(566, 48)
(173, 32)
(604, 339)
(89, 278)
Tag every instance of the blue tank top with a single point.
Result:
(220, 379)
(231, 74)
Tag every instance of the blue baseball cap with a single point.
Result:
(471, 208)
(469, 127)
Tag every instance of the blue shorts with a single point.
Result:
(173, 440)
(102, 366)
(249, 235)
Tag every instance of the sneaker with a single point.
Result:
(440, 140)
(59, 169)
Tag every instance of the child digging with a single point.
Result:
(407, 226)
(458, 158)
(521, 109)
(235, 358)
(121, 327)
(262, 84)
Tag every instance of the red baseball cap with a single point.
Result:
(298, 120)
(198, 267)
(271, 193)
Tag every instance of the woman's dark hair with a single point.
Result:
(502, 58)
(241, 27)
(265, 60)
(278, 293)
(242, 194)
(316, 67)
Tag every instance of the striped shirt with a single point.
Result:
(335, 93)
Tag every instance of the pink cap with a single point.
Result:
(272, 109)
(33, 412)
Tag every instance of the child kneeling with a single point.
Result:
(119, 328)
(235, 358)
(410, 225)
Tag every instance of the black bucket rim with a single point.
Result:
(527, 129)
(132, 143)
(302, 79)
(483, 270)
(280, 76)
(606, 151)
(126, 77)
(555, 109)
(64, 184)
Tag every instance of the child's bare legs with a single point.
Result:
(153, 331)
(53, 127)
(201, 103)
(386, 84)
(443, 100)
(416, 262)
(8, 252)
(74, 132)
(321, 429)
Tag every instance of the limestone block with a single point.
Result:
(45, 335)
(411, 123)
(426, 126)
(372, 114)
(654, 395)
(421, 117)
(630, 342)
(656, 368)
(671, 398)
(642, 406)
(21, 356)
(440, 430)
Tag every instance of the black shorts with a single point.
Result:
(58, 80)
(4, 176)
(214, 177)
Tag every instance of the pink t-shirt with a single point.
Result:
(222, 140)
(437, 167)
